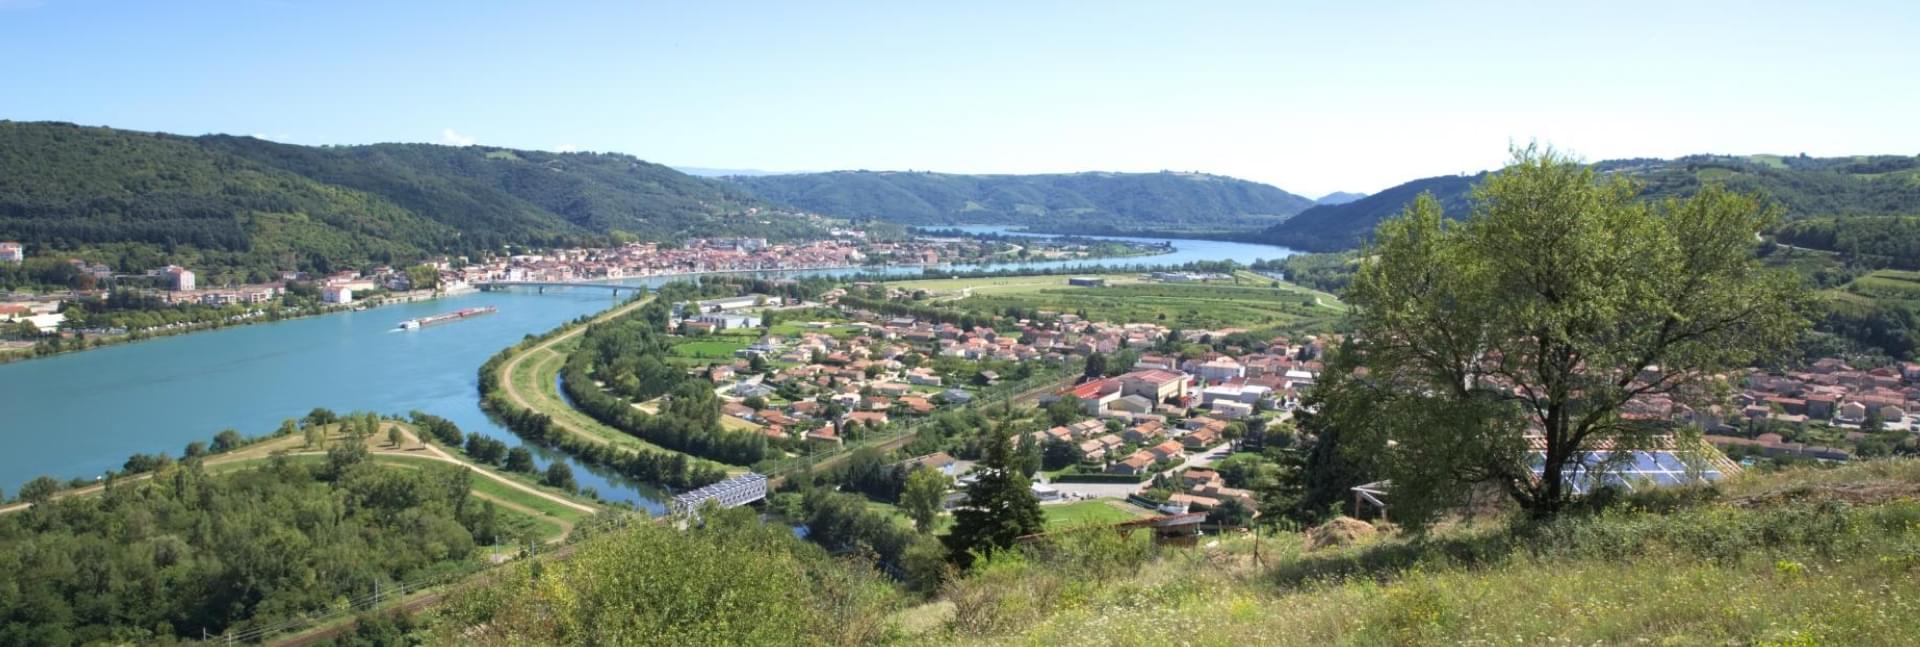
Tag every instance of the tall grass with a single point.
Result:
(1790, 559)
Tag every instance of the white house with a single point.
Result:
(1242, 393)
(1220, 370)
(1231, 410)
(178, 278)
(339, 294)
(1852, 412)
(729, 321)
(11, 252)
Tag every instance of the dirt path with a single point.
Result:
(512, 367)
(421, 450)
(435, 453)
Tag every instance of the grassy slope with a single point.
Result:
(1810, 557)
(1085, 513)
(549, 519)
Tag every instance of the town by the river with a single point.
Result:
(81, 414)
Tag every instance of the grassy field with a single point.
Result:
(1088, 513)
(1812, 557)
(710, 348)
(1001, 285)
(1894, 285)
(534, 379)
(1247, 300)
(736, 424)
(519, 512)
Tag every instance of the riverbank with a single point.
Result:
(82, 414)
(524, 398)
(560, 511)
(78, 344)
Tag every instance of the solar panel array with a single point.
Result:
(1639, 468)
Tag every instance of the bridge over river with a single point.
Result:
(731, 493)
(542, 286)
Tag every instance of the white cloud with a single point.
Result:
(567, 148)
(451, 138)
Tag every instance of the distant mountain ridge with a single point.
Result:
(1162, 200)
(702, 171)
(1338, 197)
(244, 207)
(1801, 186)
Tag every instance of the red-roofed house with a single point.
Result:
(1095, 395)
(1134, 465)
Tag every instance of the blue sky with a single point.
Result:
(1309, 96)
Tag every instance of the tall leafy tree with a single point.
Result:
(1531, 323)
(922, 495)
(1000, 506)
(520, 460)
(559, 475)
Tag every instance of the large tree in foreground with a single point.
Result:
(1000, 505)
(1529, 325)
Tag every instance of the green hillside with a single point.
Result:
(241, 208)
(1331, 227)
(1803, 557)
(518, 195)
(138, 200)
(1162, 200)
(1803, 187)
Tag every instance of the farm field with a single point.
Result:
(1007, 284)
(1246, 301)
(1897, 285)
(1088, 513)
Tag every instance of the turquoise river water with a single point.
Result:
(81, 414)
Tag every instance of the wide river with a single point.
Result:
(81, 414)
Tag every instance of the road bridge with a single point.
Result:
(542, 286)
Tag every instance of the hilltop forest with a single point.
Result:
(1802, 187)
(1056, 201)
(241, 209)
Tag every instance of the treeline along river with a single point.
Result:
(81, 414)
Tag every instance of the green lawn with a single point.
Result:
(940, 523)
(1084, 513)
(710, 347)
(1001, 285)
(535, 379)
(498, 490)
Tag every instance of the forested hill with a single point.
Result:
(1330, 227)
(240, 208)
(1802, 186)
(1156, 200)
